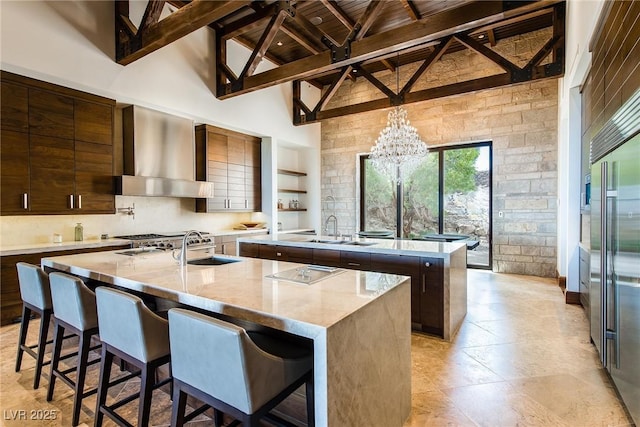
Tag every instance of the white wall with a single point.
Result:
(71, 43)
(582, 17)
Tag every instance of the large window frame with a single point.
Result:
(441, 178)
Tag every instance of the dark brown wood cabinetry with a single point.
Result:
(56, 150)
(427, 274)
(232, 161)
(10, 302)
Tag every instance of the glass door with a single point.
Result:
(378, 200)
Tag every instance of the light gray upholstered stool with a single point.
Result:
(218, 363)
(129, 330)
(36, 297)
(74, 310)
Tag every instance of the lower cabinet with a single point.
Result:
(427, 274)
(11, 302)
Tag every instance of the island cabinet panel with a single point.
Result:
(328, 257)
(406, 266)
(355, 260)
(11, 302)
(231, 160)
(250, 250)
(63, 149)
(431, 295)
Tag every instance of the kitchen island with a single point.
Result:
(357, 321)
(438, 270)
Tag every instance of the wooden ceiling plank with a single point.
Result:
(411, 9)
(514, 20)
(151, 14)
(250, 45)
(428, 62)
(340, 14)
(492, 55)
(332, 89)
(312, 29)
(427, 30)
(263, 44)
(189, 18)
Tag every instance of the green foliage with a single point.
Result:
(379, 190)
(460, 170)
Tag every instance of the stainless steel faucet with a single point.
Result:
(331, 218)
(183, 249)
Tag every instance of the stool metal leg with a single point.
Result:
(81, 371)
(179, 405)
(42, 342)
(24, 328)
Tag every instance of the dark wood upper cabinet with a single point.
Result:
(14, 107)
(56, 149)
(231, 161)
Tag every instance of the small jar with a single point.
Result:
(78, 232)
(280, 204)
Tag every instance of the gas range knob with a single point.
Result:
(160, 245)
(169, 245)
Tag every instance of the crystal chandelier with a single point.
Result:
(398, 150)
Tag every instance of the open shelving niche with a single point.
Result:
(293, 183)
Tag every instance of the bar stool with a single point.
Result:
(74, 309)
(218, 363)
(129, 330)
(36, 297)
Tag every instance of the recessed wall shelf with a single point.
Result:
(290, 172)
(287, 190)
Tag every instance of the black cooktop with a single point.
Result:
(141, 236)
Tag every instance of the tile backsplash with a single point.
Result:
(152, 215)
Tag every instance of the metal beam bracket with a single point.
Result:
(338, 53)
(287, 7)
(521, 75)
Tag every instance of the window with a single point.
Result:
(449, 193)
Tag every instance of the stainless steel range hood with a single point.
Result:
(159, 156)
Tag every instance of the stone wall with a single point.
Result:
(521, 122)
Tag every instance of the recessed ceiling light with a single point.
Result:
(316, 20)
(481, 36)
(279, 43)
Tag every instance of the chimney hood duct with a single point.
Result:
(159, 156)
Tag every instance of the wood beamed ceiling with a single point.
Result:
(325, 42)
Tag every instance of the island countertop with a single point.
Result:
(239, 289)
(371, 245)
(359, 321)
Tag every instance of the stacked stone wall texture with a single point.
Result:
(519, 120)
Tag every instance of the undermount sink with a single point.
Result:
(356, 243)
(331, 242)
(211, 261)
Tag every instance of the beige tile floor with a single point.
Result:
(521, 358)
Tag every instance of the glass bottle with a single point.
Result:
(78, 232)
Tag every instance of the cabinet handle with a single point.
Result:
(355, 264)
(427, 264)
(25, 201)
(246, 204)
(70, 201)
(224, 250)
(424, 283)
(79, 201)
(278, 253)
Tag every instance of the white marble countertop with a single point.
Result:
(383, 246)
(237, 289)
(33, 248)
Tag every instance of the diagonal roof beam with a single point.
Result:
(431, 59)
(411, 9)
(151, 14)
(427, 30)
(248, 23)
(184, 21)
(263, 44)
(501, 61)
(340, 14)
(366, 20)
(333, 88)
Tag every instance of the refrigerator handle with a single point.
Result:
(604, 222)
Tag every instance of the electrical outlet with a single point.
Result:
(500, 214)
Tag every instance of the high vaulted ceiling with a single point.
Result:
(325, 42)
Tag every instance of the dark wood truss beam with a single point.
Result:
(365, 22)
(433, 57)
(491, 35)
(183, 21)
(411, 9)
(340, 14)
(151, 14)
(423, 32)
(512, 75)
(263, 44)
(248, 23)
(309, 41)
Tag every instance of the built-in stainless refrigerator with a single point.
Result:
(615, 252)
